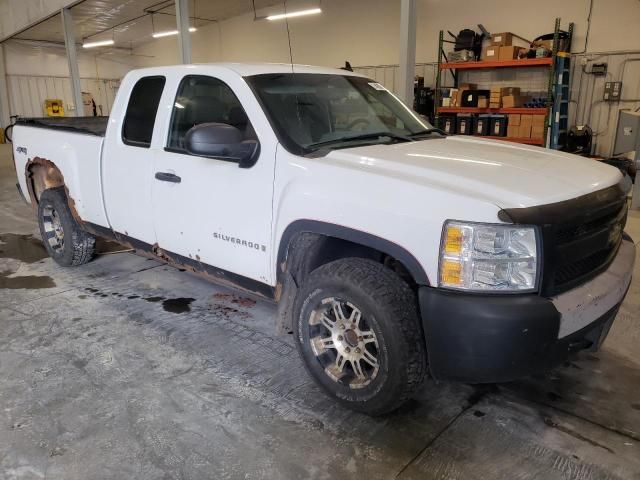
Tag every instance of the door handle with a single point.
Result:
(168, 177)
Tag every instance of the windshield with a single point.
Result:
(316, 111)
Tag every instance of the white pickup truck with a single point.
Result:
(393, 250)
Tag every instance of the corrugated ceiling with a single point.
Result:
(130, 23)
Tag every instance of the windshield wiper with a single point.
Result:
(427, 132)
(364, 136)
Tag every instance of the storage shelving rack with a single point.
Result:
(556, 111)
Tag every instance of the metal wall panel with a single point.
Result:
(28, 93)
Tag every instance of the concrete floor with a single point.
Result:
(109, 371)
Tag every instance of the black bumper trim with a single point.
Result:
(490, 338)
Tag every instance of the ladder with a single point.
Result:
(559, 115)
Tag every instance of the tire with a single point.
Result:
(63, 238)
(381, 348)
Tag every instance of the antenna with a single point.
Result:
(286, 19)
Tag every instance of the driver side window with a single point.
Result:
(203, 99)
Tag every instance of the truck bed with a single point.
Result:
(89, 125)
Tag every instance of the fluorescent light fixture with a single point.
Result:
(299, 13)
(101, 43)
(168, 33)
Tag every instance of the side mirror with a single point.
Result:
(222, 142)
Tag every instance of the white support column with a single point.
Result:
(72, 57)
(184, 37)
(4, 92)
(407, 50)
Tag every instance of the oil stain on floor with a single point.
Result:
(173, 305)
(177, 305)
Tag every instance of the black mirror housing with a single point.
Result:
(223, 142)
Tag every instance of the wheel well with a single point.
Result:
(307, 251)
(41, 175)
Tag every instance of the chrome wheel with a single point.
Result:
(53, 228)
(344, 343)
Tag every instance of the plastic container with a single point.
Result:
(498, 125)
(464, 124)
(482, 124)
(448, 124)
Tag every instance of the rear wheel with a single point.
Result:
(63, 238)
(357, 331)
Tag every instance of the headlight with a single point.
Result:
(486, 257)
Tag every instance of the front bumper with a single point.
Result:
(497, 338)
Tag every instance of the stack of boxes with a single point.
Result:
(526, 126)
(502, 48)
(511, 98)
(495, 99)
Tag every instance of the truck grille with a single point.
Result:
(580, 237)
(582, 248)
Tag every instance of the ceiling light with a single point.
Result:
(299, 13)
(101, 43)
(168, 33)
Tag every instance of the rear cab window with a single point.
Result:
(139, 120)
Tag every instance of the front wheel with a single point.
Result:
(358, 333)
(63, 238)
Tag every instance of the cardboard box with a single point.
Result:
(537, 121)
(503, 39)
(483, 102)
(453, 95)
(508, 53)
(509, 91)
(446, 102)
(511, 101)
(490, 53)
(526, 120)
(537, 132)
(514, 120)
(513, 131)
(467, 86)
(494, 104)
(524, 131)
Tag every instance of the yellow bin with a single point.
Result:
(54, 108)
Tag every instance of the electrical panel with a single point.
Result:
(599, 69)
(612, 91)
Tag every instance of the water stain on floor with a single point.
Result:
(25, 248)
(31, 282)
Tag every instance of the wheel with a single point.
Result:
(357, 330)
(63, 238)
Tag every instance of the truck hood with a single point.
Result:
(509, 175)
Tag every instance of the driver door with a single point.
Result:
(211, 210)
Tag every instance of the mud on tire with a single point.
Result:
(63, 238)
(357, 330)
